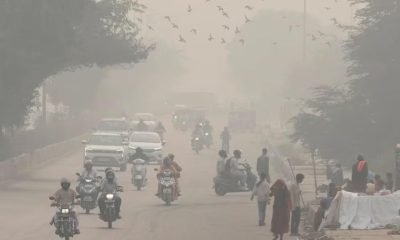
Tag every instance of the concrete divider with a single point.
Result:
(18, 166)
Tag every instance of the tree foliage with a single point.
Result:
(365, 118)
(40, 38)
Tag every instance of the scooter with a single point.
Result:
(88, 190)
(139, 173)
(208, 140)
(197, 144)
(168, 187)
(225, 183)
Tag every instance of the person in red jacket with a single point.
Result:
(359, 176)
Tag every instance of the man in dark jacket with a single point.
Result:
(359, 175)
(263, 164)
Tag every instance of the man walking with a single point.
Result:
(295, 194)
(263, 164)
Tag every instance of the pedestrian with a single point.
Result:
(225, 138)
(359, 175)
(389, 182)
(281, 209)
(221, 163)
(295, 196)
(262, 192)
(337, 175)
(263, 164)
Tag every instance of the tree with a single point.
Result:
(41, 38)
(367, 121)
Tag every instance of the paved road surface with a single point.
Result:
(198, 215)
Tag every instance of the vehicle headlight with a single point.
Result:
(206, 134)
(176, 117)
(197, 139)
(65, 211)
(88, 180)
(132, 147)
(157, 149)
(110, 196)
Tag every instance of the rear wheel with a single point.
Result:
(109, 224)
(123, 167)
(87, 210)
(139, 187)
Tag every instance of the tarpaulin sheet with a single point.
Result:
(363, 212)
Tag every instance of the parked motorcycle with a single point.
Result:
(225, 183)
(139, 173)
(110, 214)
(64, 221)
(168, 187)
(88, 190)
(197, 144)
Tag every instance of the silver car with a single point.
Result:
(151, 144)
(107, 150)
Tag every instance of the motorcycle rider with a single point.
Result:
(88, 172)
(178, 168)
(109, 185)
(138, 155)
(167, 164)
(207, 127)
(221, 162)
(142, 126)
(236, 170)
(65, 197)
(197, 132)
(160, 129)
(225, 138)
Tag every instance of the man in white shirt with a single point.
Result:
(295, 195)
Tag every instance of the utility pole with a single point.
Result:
(313, 153)
(305, 30)
(44, 103)
(397, 174)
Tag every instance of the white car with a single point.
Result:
(150, 143)
(148, 118)
(107, 150)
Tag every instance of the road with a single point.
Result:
(199, 214)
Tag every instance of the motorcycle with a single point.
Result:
(110, 214)
(225, 183)
(63, 221)
(208, 140)
(197, 144)
(168, 187)
(88, 190)
(139, 172)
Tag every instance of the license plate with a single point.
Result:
(138, 177)
(87, 198)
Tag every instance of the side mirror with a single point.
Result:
(78, 196)
(164, 142)
(156, 169)
(84, 142)
(78, 174)
(52, 198)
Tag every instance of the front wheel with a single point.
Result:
(139, 187)
(110, 224)
(87, 210)
(66, 237)
(220, 190)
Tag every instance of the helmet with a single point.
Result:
(167, 161)
(88, 163)
(171, 156)
(222, 153)
(237, 153)
(65, 184)
(110, 175)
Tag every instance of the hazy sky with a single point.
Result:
(207, 60)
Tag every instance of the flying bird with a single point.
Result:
(226, 27)
(140, 20)
(321, 33)
(175, 26)
(220, 8)
(210, 38)
(194, 30)
(237, 31)
(207, 0)
(248, 7)
(329, 44)
(189, 8)
(290, 28)
(247, 19)
(168, 18)
(313, 37)
(223, 41)
(334, 20)
(150, 27)
(225, 14)
(181, 39)
(328, 8)
(241, 41)
(274, 43)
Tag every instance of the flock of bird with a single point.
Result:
(318, 35)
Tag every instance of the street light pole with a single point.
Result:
(305, 29)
